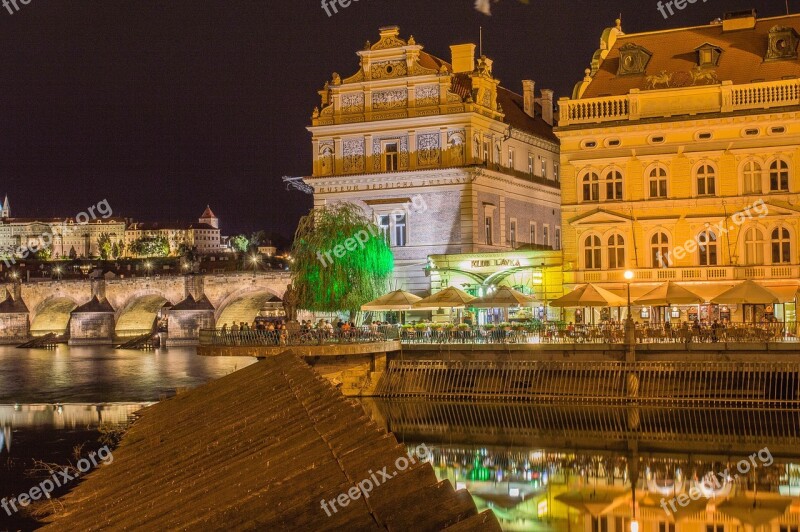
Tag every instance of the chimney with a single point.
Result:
(463, 58)
(528, 87)
(547, 106)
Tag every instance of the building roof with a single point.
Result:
(208, 213)
(169, 226)
(512, 104)
(259, 449)
(10, 306)
(95, 305)
(674, 51)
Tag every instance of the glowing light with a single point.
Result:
(634, 526)
(628, 275)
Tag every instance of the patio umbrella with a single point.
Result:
(450, 297)
(592, 500)
(748, 293)
(503, 297)
(653, 501)
(397, 300)
(589, 296)
(754, 513)
(669, 294)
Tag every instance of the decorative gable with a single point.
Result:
(782, 44)
(633, 59)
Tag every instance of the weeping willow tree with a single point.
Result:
(341, 260)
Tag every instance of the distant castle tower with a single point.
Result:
(6, 211)
(209, 218)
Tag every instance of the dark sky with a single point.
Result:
(164, 106)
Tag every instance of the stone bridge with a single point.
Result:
(96, 311)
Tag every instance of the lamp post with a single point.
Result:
(58, 272)
(629, 328)
(148, 266)
(254, 262)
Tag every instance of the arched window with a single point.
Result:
(781, 246)
(591, 187)
(707, 248)
(751, 178)
(706, 180)
(659, 251)
(593, 253)
(616, 252)
(658, 182)
(779, 176)
(753, 246)
(614, 185)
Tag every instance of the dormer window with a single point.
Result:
(708, 55)
(782, 44)
(633, 59)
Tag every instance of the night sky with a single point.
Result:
(164, 106)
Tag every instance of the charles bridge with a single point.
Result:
(98, 311)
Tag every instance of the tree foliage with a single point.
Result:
(240, 243)
(105, 245)
(356, 274)
(150, 246)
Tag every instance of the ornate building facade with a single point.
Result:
(679, 154)
(444, 159)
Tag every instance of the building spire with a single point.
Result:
(6, 212)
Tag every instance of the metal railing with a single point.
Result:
(600, 334)
(299, 337)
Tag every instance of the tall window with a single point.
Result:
(556, 174)
(391, 156)
(659, 250)
(511, 157)
(557, 243)
(752, 178)
(616, 252)
(546, 235)
(753, 246)
(487, 224)
(614, 185)
(512, 233)
(486, 151)
(593, 253)
(384, 225)
(658, 182)
(544, 167)
(706, 180)
(591, 187)
(400, 230)
(779, 176)
(530, 164)
(534, 240)
(707, 248)
(781, 246)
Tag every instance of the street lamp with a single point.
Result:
(57, 269)
(148, 266)
(254, 261)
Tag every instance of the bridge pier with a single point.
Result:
(14, 320)
(187, 318)
(92, 323)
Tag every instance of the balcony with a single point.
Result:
(696, 273)
(723, 98)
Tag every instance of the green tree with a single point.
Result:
(105, 246)
(44, 254)
(240, 243)
(150, 246)
(360, 272)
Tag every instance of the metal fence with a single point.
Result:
(665, 383)
(299, 337)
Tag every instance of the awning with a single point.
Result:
(747, 293)
(785, 293)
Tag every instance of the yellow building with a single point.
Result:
(679, 157)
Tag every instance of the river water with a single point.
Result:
(536, 466)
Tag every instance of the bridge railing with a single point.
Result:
(599, 334)
(278, 338)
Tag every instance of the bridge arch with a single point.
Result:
(139, 312)
(52, 315)
(243, 305)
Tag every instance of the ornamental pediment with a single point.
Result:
(599, 217)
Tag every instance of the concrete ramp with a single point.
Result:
(259, 450)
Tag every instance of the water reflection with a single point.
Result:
(599, 469)
(105, 375)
